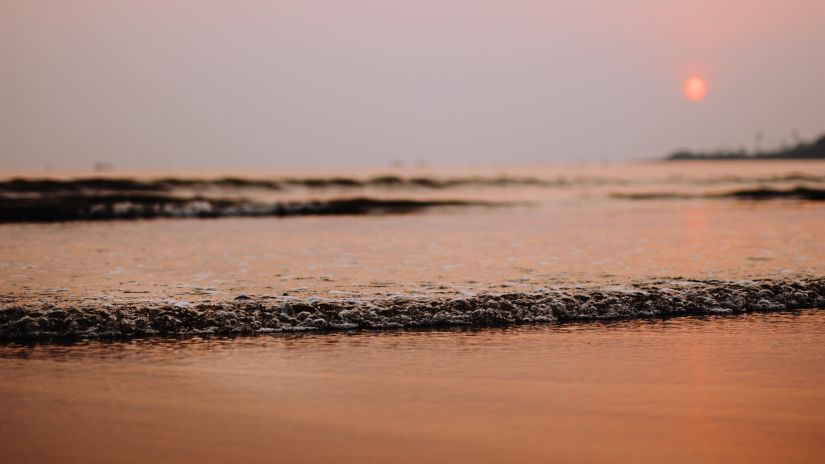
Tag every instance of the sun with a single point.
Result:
(695, 88)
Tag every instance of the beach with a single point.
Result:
(632, 313)
(719, 389)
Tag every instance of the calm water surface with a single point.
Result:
(736, 389)
(570, 234)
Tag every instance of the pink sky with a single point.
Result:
(177, 84)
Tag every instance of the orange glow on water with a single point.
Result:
(695, 88)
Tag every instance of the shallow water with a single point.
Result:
(571, 234)
(586, 242)
(552, 227)
(720, 389)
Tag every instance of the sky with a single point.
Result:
(177, 84)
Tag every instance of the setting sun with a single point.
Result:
(695, 88)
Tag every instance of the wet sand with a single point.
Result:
(741, 389)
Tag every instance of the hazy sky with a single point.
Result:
(210, 84)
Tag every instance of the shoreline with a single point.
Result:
(253, 315)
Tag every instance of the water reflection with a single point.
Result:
(716, 389)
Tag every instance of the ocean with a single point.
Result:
(647, 311)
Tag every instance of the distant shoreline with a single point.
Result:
(803, 150)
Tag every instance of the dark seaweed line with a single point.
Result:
(250, 316)
(149, 206)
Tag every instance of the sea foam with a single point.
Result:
(250, 314)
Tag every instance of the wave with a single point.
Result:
(102, 184)
(249, 315)
(108, 185)
(76, 207)
(797, 193)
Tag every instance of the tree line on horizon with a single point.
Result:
(802, 150)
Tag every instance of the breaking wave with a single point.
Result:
(22, 185)
(762, 193)
(145, 206)
(106, 184)
(248, 315)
